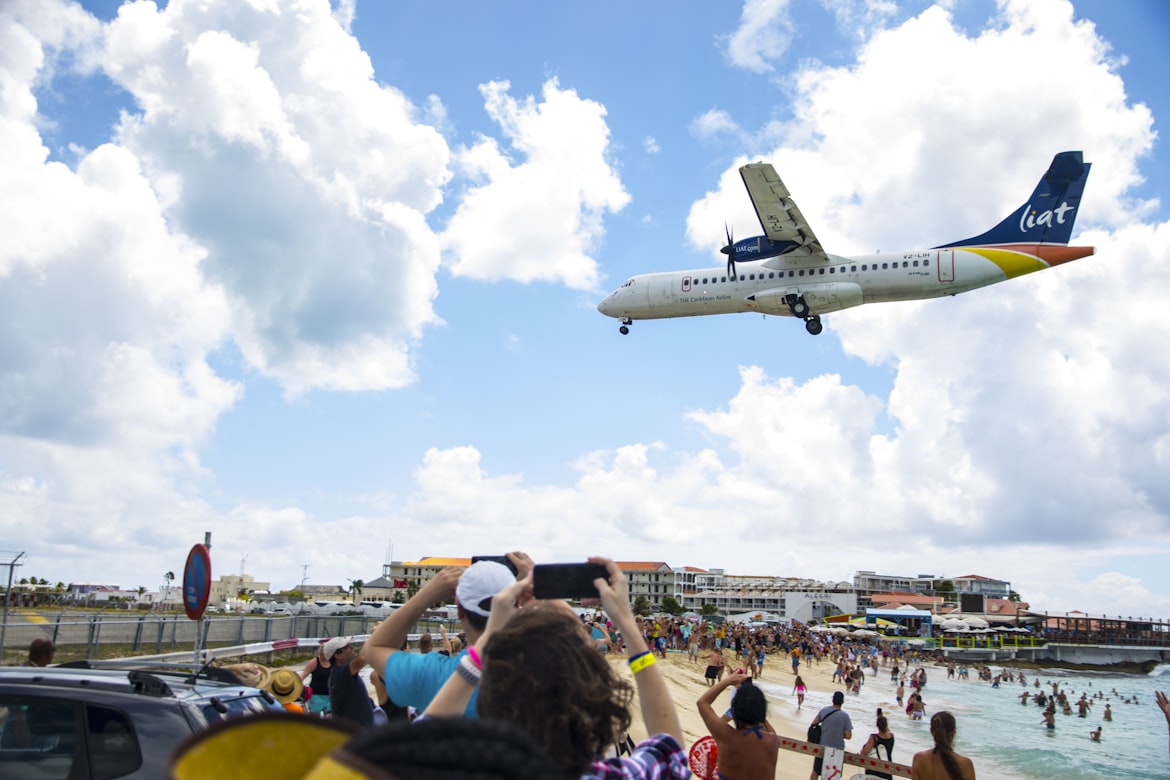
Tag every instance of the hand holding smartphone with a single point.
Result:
(567, 580)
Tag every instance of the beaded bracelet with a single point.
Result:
(468, 672)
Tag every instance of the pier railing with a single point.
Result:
(813, 750)
(988, 642)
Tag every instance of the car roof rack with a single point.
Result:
(193, 673)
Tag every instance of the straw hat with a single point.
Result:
(285, 685)
(252, 675)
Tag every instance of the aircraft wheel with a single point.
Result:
(813, 325)
(624, 330)
(799, 308)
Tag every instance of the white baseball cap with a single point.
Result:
(479, 582)
(335, 644)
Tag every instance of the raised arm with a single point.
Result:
(658, 713)
(1163, 705)
(390, 635)
(706, 705)
(452, 698)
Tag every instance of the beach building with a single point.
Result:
(323, 591)
(969, 591)
(387, 586)
(805, 602)
(792, 598)
(229, 587)
(653, 579)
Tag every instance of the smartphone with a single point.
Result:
(567, 580)
(504, 559)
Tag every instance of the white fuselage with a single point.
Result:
(841, 283)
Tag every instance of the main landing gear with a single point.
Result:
(625, 328)
(800, 308)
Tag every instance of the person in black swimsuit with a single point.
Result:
(884, 738)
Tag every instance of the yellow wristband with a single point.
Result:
(640, 663)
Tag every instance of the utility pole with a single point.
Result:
(304, 577)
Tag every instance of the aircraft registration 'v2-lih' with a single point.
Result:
(791, 275)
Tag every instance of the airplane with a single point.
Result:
(790, 275)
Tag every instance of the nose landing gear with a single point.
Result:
(625, 328)
(813, 325)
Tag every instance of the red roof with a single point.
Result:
(641, 565)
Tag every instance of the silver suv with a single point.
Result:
(59, 723)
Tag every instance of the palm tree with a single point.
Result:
(169, 577)
(355, 589)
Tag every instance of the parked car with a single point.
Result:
(60, 723)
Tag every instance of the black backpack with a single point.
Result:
(814, 731)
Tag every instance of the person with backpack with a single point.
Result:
(835, 727)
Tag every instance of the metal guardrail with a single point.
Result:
(89, 635)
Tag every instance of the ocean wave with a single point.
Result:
(1160, 670)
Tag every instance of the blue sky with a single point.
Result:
(322, 278)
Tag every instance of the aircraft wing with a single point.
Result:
(777, 211)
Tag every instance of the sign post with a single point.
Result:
(197, 588)
(833, 764)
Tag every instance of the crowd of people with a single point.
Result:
(538, 681)
(526, 690)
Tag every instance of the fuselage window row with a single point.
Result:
(811, 272)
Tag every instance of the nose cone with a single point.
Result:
(605, 307)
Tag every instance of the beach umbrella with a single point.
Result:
(864, 632)
(975, 622)
(954, 624)
(838, 630)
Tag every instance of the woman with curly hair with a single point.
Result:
(536, 668)
(942, 762)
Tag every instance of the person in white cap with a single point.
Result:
(348, 697)
(411, 679)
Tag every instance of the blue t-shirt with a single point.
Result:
(413, 679)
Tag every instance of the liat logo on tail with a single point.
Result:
(1029, 219)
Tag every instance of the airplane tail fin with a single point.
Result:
(1048, 216)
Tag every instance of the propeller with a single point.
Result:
(729, 250)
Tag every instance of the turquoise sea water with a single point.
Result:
(1008, 740)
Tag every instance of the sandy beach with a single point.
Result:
(686, 683)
